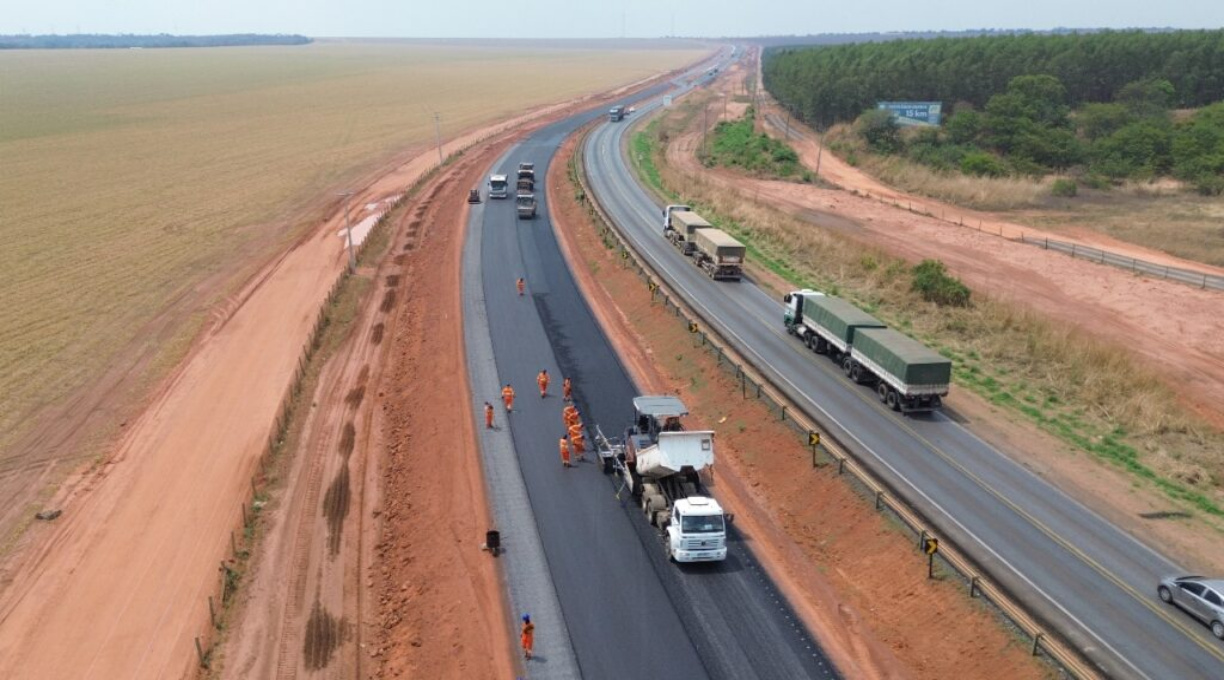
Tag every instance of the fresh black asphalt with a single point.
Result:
(628, 611)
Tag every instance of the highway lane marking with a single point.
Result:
(709, 315)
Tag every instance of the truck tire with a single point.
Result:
(882, 390)
(855, 373)
(821, 346)
(893, 400)
(847, 362)
(936, 401)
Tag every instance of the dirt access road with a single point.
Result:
(118, 586)
(1170, 326)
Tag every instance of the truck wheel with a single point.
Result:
(847, 362)
(821, 346)
(936, 402)
(882, 390)
(854, 373)
(893, 401)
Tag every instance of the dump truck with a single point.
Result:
(720, 255)
(908, 376)
(526, 170)
(680, 227)
(525, 184)
(525, 204)
(667, 214)
(824, 323)
(498, 186)
(660, 463)
(616, 113)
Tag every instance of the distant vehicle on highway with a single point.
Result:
(499, 187)
(629, 111)
(1202, 597)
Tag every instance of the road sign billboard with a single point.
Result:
(914, 113)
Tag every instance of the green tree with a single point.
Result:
(880, 130)
(1101, 120)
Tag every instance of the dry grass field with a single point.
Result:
(138, 184)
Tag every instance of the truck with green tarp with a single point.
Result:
(826, 324)
(908, 376)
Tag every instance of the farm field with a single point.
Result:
(141, 187)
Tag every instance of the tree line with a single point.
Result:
(105, 41)
(826, 85)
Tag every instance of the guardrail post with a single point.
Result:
(879, 499)
(973, 581)
(922, 536)
(200, 653)
(1037, 642)
(841, 465)
(783, 412)
(1072, 250)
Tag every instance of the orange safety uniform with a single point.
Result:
(521, 285)
(508, 397)
(488, 415)
(570, 414)
(565, 453)
(527, 638)
(567, 389)
(575, 435)
(542, 381)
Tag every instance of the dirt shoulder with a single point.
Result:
(857, 583)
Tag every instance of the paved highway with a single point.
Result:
(629, 613)
(1078, 572)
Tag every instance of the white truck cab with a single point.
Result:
(499, 187)
(697, 531)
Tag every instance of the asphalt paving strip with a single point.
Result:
(628, 612)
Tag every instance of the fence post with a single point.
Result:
(200, 653)
(1072, 250)
(212, 611)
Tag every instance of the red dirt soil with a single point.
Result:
(118, 586)
(859, 585)
(1167, 325)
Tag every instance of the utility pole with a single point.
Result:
(348, 228)
(438, 137)
(705, 129)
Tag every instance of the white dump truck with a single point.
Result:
(718, 254)
(525, 204)
(660, 463)
(681, 225)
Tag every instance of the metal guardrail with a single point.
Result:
(1187, 276)
(754, 384)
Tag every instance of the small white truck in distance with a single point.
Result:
(499, 187)
(660, 463)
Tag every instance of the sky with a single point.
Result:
(587, 18)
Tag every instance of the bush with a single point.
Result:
(982, 164)
(931, 280)
(1064, 188)
(1209, 185)
(881, 132)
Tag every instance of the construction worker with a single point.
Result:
(542, 381)
(508, 398)
(570, 414)
(527, 636)
(521, 285)
(488, 416)
(576, 438)
(565, 452)
(567, 389)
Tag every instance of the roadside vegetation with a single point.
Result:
(1088, 394)
(736, 144)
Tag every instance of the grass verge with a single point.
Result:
(1088, 394)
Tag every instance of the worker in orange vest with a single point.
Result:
(488, 416)
(570, 414)
(521, 285)
(542, 381)
(565, 452)
(576, 438)
(508, 397)
(527, 636)
(567, 389)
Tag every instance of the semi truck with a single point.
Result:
(616, 113)
(667, 211)
(680, 227)
(824, 323)
(499, 187)
(660, 463)
(908, 376)
(525, 204)
(718, 254)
